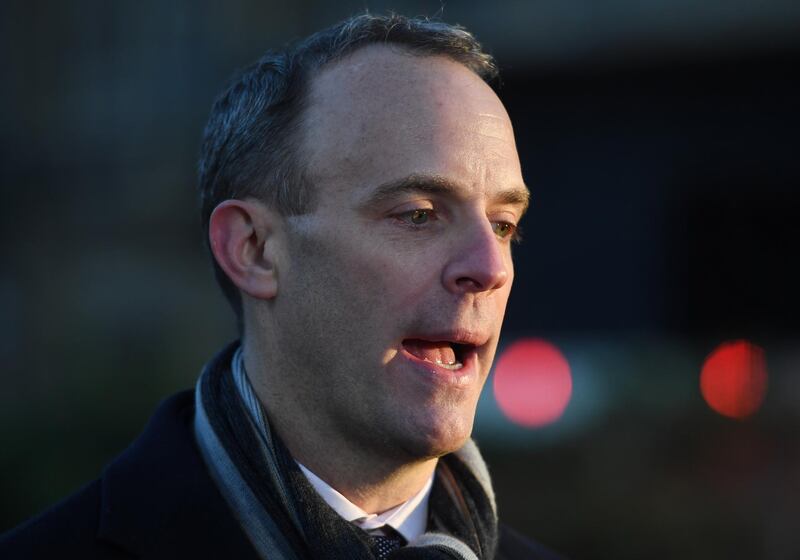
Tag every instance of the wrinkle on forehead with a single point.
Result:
(494, 126)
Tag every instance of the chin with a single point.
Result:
(439, 435)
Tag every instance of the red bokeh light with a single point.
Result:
(532, 383)
(734, 379)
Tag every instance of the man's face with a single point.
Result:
(393, 292)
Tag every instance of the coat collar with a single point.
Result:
(158, 499)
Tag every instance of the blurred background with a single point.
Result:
(660, 141)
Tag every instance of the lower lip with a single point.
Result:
(464, 376)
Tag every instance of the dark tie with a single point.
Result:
(387, 542)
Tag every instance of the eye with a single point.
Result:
(504, 230)
(419, 217)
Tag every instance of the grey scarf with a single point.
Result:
(281, 512)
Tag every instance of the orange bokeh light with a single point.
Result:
(734, 379)
(532, 383)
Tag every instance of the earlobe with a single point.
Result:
(241, 235)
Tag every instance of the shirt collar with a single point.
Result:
(410, 518)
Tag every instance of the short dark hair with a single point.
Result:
(250, 143)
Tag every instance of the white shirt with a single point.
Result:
(409, 518)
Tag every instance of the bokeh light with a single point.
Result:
(532, 383)
(733, 380)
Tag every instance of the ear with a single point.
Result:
(241, 235)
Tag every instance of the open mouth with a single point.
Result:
(449, 355)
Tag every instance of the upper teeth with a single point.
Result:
(453, 365)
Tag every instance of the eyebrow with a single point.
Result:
(440, 185)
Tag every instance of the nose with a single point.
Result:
(479, 263)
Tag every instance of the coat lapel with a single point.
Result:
(158, 500)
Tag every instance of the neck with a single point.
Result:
(374, 494)
(372, 477)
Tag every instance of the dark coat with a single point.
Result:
(157, 500)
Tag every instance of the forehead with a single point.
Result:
(382, 114)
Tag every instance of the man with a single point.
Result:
(360, 193)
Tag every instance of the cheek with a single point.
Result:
(387, 278)
(504, 293)
(343, 283)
